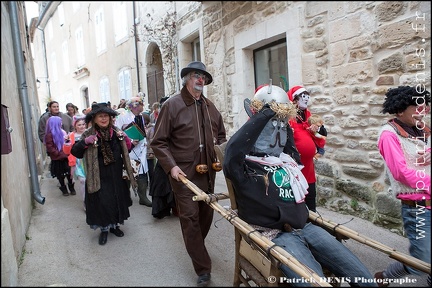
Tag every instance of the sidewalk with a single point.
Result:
(62, 250)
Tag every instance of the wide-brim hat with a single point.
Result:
(99, 108)
(197, 66)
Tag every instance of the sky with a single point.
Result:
(31, 10)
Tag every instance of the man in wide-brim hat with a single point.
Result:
(198, 67)
(188, 127)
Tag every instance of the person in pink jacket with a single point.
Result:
(404, 143)
(76, 164)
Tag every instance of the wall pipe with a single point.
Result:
(136, 47)
(22, 90)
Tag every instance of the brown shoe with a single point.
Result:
(380, 280)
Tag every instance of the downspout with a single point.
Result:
(20, 68)
(136, 47)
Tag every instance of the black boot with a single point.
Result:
(103, 237)
(64, 190)
(72, 189)
(142, 182)
(117, 231)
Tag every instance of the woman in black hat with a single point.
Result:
(105, 150)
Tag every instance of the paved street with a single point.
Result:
(62, 250)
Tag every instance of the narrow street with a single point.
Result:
(62, 250)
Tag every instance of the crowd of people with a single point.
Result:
(113, 149)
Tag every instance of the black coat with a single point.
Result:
(271, 206)
(161, 192)
(109, 205)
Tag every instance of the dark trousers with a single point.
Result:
(195, 219)
(311, 197)
(151, 165)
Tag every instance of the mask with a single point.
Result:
(272, 139)
(303, 100)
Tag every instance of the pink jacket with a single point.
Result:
(390, 149)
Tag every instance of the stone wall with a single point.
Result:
(350, 54)
(16, 183)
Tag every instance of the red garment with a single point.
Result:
(320, 142)
(305, 146)
(71, 158)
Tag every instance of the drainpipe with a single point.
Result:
(20, 68)
(136, 47)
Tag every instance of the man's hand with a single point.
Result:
(175, 172)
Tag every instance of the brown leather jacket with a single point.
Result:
(179, 132)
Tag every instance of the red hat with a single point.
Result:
(259, 87)
(294, 91)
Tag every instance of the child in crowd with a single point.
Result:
(54, 140)
(76, 164)
(149, 129)
(319, 136)
(154, 115)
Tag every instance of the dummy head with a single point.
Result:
(274, 135)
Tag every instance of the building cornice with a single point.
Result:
(81, 73)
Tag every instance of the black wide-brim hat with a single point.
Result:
(99, 108)
(196, 66)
